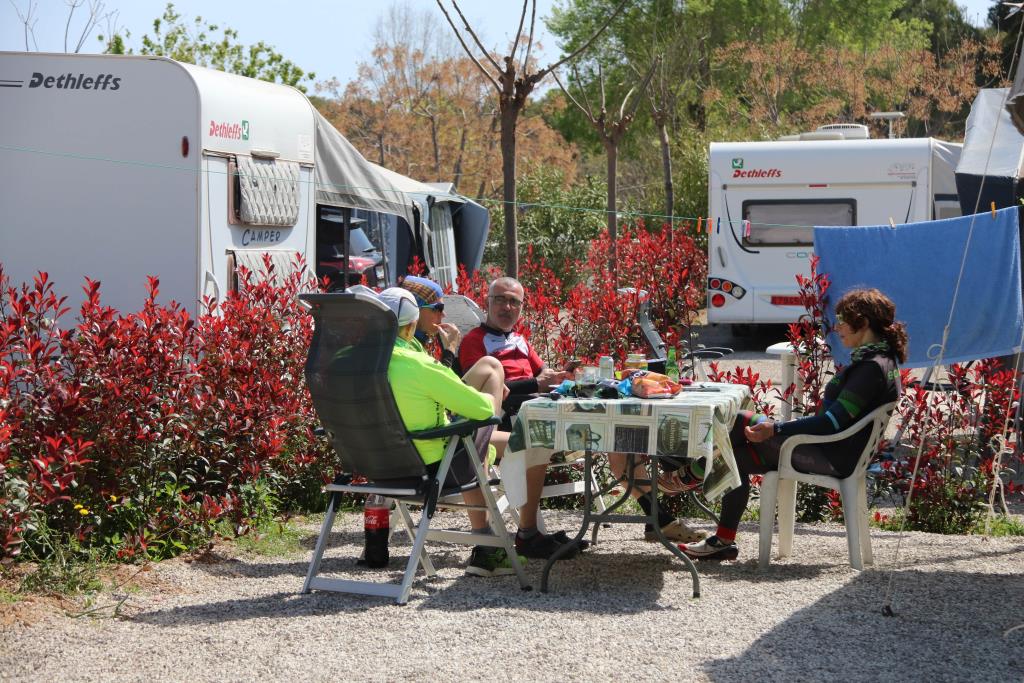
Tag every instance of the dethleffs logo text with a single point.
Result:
(230, 131)
(739, 172)
(72, 81)
(757, 173)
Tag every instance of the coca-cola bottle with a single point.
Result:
(376, 529)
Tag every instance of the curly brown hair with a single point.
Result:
(869, 306)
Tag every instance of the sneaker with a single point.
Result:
(676, 531)
(486, 561)
(542, 546)
(710, 549)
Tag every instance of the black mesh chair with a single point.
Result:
(346, 372)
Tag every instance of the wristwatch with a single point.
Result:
(777, 428)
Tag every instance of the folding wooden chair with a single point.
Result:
(346, 372)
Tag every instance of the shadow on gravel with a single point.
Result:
(595, 583)
(948, 626)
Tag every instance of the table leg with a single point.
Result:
(653, 521)
(574, 543)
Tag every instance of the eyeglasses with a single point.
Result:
(439, 307)
(840, 320)
(509, 301)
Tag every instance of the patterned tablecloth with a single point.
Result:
(693, 424)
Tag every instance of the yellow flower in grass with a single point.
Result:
(78, 506)
(82, 510)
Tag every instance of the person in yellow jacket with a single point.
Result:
(425, 391)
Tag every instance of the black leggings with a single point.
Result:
(758, 458)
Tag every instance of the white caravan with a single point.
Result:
(119, 167)
(765, 197)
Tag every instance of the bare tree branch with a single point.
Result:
(529, 43)
(28, 23)
(469, 53)
(586, 110)
(472, 33)
(72, 6)
(544, 72)
(95, 8)
(519, 31)
(643, 89)
(576, 75)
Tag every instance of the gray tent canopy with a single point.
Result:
(344, 178)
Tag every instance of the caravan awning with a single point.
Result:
(345, 178)
(410, 186)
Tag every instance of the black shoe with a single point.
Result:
(541, 546)
(563, 538)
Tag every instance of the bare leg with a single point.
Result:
(488, 377)
(534, 487)
(477, 518)
(617, 463)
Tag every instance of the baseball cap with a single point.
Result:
(402, 303)
(427, 292)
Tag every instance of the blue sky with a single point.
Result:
(324, 36)
(329, 38)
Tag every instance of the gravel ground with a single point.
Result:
(621, 610)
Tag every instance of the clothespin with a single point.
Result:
(892, 223)
(993, 210)
(709, 225)
(718, 225)
(746, 228)
(700, 222)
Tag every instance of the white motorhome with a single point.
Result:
(765, 197)
(119, 167)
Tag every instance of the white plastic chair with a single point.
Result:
(780, 487)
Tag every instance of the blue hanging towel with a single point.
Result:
(916, 265)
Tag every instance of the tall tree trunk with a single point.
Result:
(509, 114)
(666, 169)
(457, 170)
(437, 148)
(611, 149)
(380, 147)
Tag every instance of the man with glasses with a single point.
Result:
(525, 376)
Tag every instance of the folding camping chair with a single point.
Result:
(346, 372)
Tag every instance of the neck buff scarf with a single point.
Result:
(865, 350)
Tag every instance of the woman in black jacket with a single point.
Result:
(865, 322)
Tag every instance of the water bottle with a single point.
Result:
(607, 365)
(376, 529)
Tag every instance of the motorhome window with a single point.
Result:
(789, 222)
(442, 239)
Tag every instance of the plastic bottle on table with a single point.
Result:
(607, 366)
(376, 529)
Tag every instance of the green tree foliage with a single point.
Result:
(557, 220)
(197, 42)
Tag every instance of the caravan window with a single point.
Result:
(263, 191)
(791, 221)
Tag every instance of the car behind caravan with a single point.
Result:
(765, 198)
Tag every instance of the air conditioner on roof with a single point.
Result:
(849, 131)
